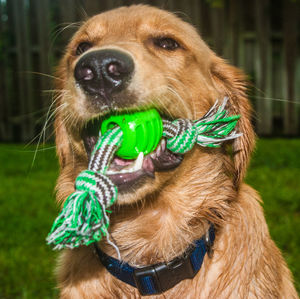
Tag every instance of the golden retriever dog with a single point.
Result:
(141, 56)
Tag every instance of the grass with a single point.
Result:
(27, 210)
(275, 173)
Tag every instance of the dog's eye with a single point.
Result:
(166, 43)
(82, 47)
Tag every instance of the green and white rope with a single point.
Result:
(83, 219)
(211, 130)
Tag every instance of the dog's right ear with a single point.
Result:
(62, 141)
(231, 82)
(63, 149)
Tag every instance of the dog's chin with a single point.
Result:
(133, 177)
(144, 187)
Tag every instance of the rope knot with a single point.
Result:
(97, 184)
(181, 135)
(86, 181)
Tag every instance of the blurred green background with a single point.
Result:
(260, 36)
(28, 210)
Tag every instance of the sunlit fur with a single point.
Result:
(158, 221)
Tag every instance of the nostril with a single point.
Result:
(84, 73)
(114, 69)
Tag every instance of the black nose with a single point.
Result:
(103, 72)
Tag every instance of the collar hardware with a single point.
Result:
(164, 276)
(160, 277)
(209, 242)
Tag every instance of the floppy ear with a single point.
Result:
(66, 156)
(231, 82)
(65, 182)
(62, 142)
(61, 136)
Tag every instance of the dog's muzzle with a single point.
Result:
(104, 72)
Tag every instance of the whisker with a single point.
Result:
(49, 116)
(35, 137)
(48, 110)
(52, 91)
(40, 137)
(28, 115)
(55, 34)
(275, 99)
(181, 100)
(158, 92)
(162, 103)
(187, 93)
(42, 74)
(62, 27)
(39, 150)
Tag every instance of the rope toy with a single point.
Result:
(84, 217)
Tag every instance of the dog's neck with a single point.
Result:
(161, 227)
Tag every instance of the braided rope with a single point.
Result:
(181, 135)
(211, 130)
(83, 219)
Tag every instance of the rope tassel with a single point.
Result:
(83, 219)
(211, 130)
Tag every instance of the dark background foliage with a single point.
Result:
(260, 36)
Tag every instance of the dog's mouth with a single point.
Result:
(129, 173)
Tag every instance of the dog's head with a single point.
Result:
(136, 57)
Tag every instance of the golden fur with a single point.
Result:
(160, 219)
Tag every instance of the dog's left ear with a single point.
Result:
(231, 82)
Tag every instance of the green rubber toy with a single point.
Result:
(142, 132)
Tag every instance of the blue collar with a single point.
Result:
(158, 278)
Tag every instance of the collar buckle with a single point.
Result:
(209, 242)
(146, 280)
(160, 277)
